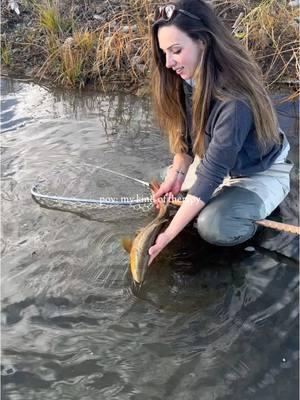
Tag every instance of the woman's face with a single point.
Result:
(182, 53)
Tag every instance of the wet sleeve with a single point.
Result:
(232, 126)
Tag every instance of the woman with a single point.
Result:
(228, 149)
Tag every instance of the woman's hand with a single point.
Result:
(175, 177)
(191, 207)
(161, 242)
(170, 187)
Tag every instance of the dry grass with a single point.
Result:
(51, 21)
(119, 49)
(75, 57)
(123, 46)
(270, 30)
(68, 52)
(5, 53)
(271, 33)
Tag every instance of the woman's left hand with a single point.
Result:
(161, 242)
(190, 208)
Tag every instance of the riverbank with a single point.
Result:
(105, 45)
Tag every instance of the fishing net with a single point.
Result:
(106, 196)
(110, 196)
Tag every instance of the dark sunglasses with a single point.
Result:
(167, 12)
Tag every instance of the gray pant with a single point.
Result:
(228, 218)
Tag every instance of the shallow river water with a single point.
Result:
(209, 323)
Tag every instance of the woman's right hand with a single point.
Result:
(170, 187)
(175, 177)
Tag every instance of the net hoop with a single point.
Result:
(105, 201)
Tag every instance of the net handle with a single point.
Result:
(278, 226)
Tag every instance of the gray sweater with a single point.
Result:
(230, 145)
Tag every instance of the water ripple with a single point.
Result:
(207, 322)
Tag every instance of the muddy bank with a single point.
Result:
(105, 45)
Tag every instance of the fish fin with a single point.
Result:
(154, 185)
(127, 244)
(163, 208)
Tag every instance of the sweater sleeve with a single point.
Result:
(229, 132)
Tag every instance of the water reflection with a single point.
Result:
(208, 322)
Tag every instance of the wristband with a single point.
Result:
(179, 171)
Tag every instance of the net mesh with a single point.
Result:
(96, 211)
(104, 196)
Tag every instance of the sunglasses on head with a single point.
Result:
(167, 12)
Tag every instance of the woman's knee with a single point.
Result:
(228, 219)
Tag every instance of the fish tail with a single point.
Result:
(139, 288)
(136, 287)
(163, 207)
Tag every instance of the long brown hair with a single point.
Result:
(226, 71)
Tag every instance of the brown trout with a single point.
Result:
(139, 247)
